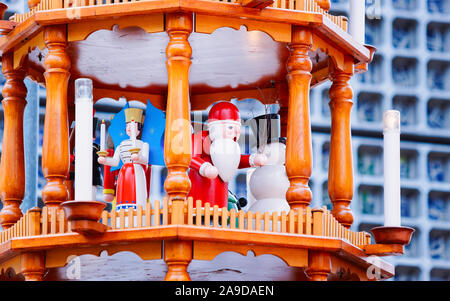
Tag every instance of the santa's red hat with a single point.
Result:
(224, 111)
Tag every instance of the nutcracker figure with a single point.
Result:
(131, 185)
(216, 155)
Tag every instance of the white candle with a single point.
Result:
(102, 135)
(83, 139)
(133, 132)
(392, 203)
(357, 20)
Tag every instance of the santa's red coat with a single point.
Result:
(215, 191)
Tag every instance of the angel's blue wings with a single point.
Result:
(117, 131)
(153, 134)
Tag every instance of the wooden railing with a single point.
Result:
(301, 5)
(43, 5)
(310, 6)
(318, 222)
(27, 225)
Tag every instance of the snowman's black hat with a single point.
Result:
(266, 128)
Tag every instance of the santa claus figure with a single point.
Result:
(131, 185)
(216, 156)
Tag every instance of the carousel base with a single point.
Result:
(127, 266)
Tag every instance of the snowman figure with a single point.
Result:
(268, 184)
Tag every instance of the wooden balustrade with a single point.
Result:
(27, 225)
(314, 6)
(12, 164)
(178, 146)
(55, 145)
(42, 5)
(307, 221)
(299, 143)
(340, 170)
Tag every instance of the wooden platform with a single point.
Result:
(282, 252)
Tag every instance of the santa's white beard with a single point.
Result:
(225, 156)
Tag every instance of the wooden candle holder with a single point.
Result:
(102, 153)
(392, 235)
(5, 25)
(361, 68)
(33, 3)
(135, 150)
(84, 216)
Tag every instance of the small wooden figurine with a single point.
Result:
(269, 183)
(216, 155)
(133, 152)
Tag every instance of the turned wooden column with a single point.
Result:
(12, 166)
(319, 265)
(177, 255)
(55, 149)
(299, 144)
(340, 172)
(177, 146)
(33, 266)
(71, 116)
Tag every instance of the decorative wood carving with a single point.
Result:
(265, 95)
(58, 257)
(150, 23)
(343, 274)
(340, 173)
(12, 168)
(10, 275)
(345, 270)
(11, 265)
(177, 255)
(280, 32)
(336, 55)
(23, 50)
(158, 101)
(177, 146)
(204, 250)
(55, 148)
(299, 144)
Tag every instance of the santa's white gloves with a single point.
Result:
(208, 170)
(257, 160)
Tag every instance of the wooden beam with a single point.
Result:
(202, 101)
(159, 101)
